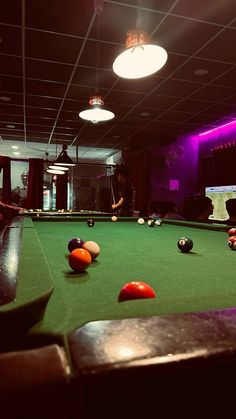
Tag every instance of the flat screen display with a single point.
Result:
(219, 195)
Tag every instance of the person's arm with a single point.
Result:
(119, 204)
(12, 209)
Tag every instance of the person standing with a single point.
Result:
(124, 205)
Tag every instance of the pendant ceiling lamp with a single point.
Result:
(59, 168)
(96, 112)
(141, 58)
(55, 171)
(63, 159)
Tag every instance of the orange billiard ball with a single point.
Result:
(79, 259)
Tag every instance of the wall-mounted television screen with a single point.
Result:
(219, 195)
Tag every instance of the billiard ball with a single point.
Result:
(185, 244)
(93, 248)
(114, 218)
(90, 222)
(136, 290)
(232, 242)
(151, 223)
(141, 221)
(158, 222)
(79, 259)
(233, 247)
(75, 243)
(232, 231)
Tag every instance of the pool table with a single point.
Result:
(119, 353)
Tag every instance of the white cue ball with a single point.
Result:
(158, 223)
(141, 221)
(113, 218)
(92, 248)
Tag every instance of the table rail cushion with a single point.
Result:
(34, 284)
(165, 364)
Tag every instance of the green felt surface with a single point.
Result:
(201, 280)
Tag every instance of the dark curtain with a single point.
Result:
(224, 162)
(61, 191)
(6, 179)
(35, 184)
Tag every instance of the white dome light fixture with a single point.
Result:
(59, 168)
(55, 172)
(141, 58)
(96, 113)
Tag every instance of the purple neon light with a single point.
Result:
(214, 129)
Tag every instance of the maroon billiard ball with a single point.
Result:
(75, 243)
(232, 231)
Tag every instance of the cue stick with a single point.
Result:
(112, 193)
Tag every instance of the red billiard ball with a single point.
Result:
(232, 231)
(232, 242)
(136, 290)
(79, 259)
(92, 248)
(75, 243)
(185, 244)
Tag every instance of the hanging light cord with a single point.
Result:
(97, 52)
(139, 17)
(98, 7)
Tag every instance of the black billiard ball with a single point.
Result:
(185, 244)
(151, 222)
(75, 243)
(90, 222)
